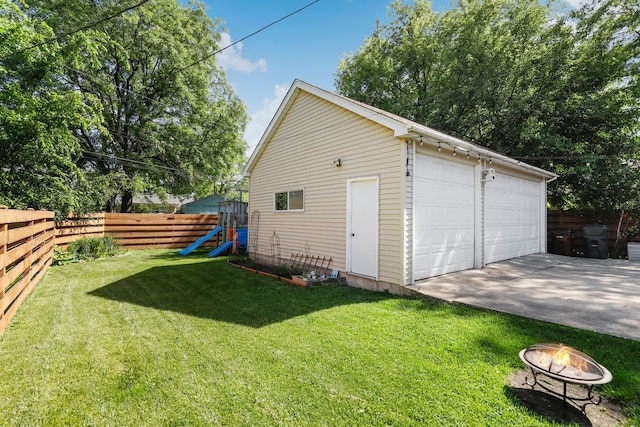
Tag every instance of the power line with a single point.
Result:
(247, 36)
(139, 164)
(147, 166)
(156, 101)
(84, 27)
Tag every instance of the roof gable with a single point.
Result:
(401, 127)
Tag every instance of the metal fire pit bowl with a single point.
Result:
(567, 365)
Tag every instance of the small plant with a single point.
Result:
(284, 271)
(85, 249)
(312, 275)
(62, 257)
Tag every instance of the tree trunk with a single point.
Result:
(127, 202)
(110, 206)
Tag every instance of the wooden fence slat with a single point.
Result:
(159, 229)
(11, 216)
(158, 234)
(23, 233)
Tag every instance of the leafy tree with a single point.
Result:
(38, 117)
(558, 91)
(171, 123)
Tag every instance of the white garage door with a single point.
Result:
(512, 218)
(444, 217)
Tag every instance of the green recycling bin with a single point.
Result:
(596, 241)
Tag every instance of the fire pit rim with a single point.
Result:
(606, 376)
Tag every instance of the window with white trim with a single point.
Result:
(288, 201)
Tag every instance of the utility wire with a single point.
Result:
(140, 164)
(156, 101)
(248, 36)
(84, 27)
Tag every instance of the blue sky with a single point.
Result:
(306, 46)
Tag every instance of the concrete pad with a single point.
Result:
(601, 295)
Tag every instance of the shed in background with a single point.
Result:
(206, 205)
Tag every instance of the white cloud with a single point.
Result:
(231, 57)
(576, 3)
(261, 118)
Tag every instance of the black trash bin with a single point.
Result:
(595, 241)
(562, 241)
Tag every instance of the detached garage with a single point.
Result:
(390, 202)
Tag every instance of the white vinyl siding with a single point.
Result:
(301, 154)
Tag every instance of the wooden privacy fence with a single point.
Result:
(565, 233)
(140, 231)
(72, 229)
(26, 250)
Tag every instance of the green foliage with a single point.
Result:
(156, 339)
(38, 119)
(284, 271)
(85, 249)
(62, 256)
(171, 122)
(558, 92)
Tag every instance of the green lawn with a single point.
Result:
(150, 338)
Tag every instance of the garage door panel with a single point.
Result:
(444, 217)
(512, 218)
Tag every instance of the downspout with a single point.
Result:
(543, 236)
(408, 214)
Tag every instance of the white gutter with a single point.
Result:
(435, 137)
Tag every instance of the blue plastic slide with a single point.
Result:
(194, 245)
(223, 247)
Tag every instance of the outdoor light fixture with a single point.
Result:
(337, 162)
(489, 174)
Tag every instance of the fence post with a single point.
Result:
(4, 239)
(29, 258)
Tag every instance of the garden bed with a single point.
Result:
(288, 275)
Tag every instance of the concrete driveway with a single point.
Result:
(601, 295)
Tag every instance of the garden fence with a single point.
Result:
(26, 250)
(140, 231)
(572, 222)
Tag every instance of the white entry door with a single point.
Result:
(362, 246)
